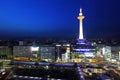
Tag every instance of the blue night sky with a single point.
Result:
(58, 18)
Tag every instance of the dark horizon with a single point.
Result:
(26, 19)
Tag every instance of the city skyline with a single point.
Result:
(58, 19)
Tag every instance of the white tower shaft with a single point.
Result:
(81, 30)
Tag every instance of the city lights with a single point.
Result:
(49, 44)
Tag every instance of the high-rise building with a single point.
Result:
(47, 53)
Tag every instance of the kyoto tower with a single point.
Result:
(80, 18)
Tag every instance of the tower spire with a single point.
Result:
(80, 14)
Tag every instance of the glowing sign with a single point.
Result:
(34, 48)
